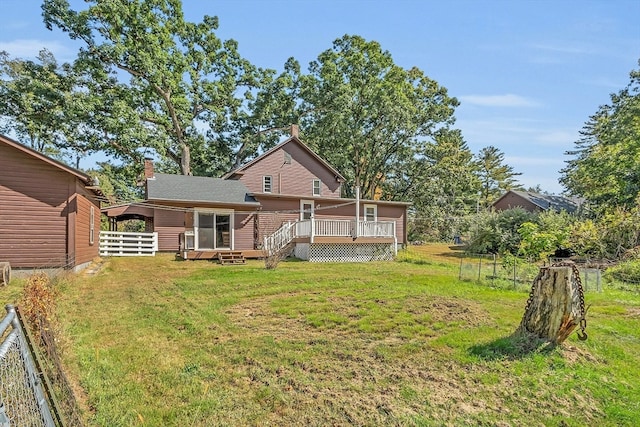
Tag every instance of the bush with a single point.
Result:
(38, 301)
(628, 272)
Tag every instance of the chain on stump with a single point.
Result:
(582, 335)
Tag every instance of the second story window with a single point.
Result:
(266, 184)
(316, 187)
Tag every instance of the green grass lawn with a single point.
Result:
(160, 342)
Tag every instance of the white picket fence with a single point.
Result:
(116, 243)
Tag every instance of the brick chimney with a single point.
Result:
(148, 169)
(295, 131)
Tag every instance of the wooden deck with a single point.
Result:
(215, 255)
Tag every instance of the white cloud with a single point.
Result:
(29, 48)
(564, 48)
(508, 100)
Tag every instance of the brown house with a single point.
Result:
(287, 197)
(49, 212)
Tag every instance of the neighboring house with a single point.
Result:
(49, 212)
(285, 199)
(535, 202)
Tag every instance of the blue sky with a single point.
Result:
(528, 73)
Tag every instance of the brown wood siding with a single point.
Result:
(274, 213)
(169, 224)
(243, 229)
(512, 200)
(33, 210)
(85, 251)
(295, 178)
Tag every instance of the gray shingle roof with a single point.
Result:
(182, 188)
(549, 201)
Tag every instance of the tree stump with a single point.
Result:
(556, 304)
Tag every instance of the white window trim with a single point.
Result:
(313, 187)
(375, 212)
(306, 202)
(264, 184)
(92, 226)
(196, 219)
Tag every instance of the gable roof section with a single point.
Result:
(295, 140)
(89, 182)
(546, 201)
(184, 188)
(31, 152)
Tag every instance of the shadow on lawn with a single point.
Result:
(515, 346)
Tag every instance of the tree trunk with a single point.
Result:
(556, 304)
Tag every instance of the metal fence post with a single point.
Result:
(4, 420)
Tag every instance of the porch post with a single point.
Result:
(313, 224)
(355, 236)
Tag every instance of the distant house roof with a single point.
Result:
(293, 139)
(542, 201)
(183, 188)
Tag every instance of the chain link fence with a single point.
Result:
(23, 401)
(515, 273)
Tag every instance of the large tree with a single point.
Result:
(495, 175)
(606, 165)
(442, 184)
(369, 117)
(43, 104)
(167, 85)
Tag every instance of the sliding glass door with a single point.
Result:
(213, 230)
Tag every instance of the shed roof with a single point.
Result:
(184, 188)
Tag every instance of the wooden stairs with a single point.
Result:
(231, 257)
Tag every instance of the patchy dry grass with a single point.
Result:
(154, 341)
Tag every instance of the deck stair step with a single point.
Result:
(231, 257)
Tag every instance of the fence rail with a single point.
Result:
(115, 243)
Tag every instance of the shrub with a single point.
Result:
(628, 271)
(38, 301)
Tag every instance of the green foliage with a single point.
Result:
(606, 164)
(610, 236)
(628, 272)
(188, 92)
(550, 232)
(43, 103)
(495, 176)
(370, 118)
(497, 232)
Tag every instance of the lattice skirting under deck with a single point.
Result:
(350, 252)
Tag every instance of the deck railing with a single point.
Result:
(115, 243)
(326, 228)
(345, 228)
(376, 229)
(280, 238)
